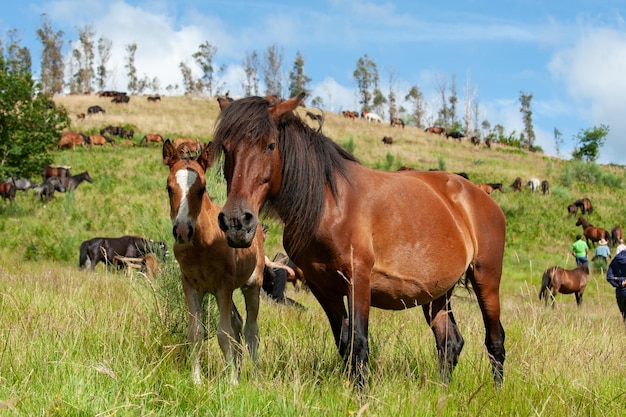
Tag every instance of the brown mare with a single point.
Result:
(585, 205)
(71, 140)
(517, 184)
(353, 242)
(592, 233)
(208, 265)
(490, 187)
(616, 234)
(435, 130)
(151, 137)
(565, 281)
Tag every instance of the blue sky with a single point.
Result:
(570, 55)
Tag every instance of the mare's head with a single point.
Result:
(248, 136)
(186, 186)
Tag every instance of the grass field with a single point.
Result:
(76, 343)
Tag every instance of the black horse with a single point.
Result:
(105, 249)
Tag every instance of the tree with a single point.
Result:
(272, 70)
(251, 67)
(391, 97)
(204, 58)
(16, 55)
(527, 118)
(52, 66)
(589, 143)
(83, 57)
(133, 81)
(416, 96)
(189, 82)
(453, 99)
(298, 80)
(558, 141)
(29, 123)
(104, 54)
(443, 113)
(366, 77)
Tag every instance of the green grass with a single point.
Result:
(76, 343)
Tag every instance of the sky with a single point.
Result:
(570, 55)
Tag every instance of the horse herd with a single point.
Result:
(54, 178)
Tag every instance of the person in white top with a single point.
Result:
(620, 247)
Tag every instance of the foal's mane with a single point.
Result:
(310, 161)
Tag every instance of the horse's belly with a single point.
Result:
(394, 293)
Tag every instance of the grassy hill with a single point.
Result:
(78, 343)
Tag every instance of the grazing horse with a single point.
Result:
(154, 98)
(533, 184)
(7, 191)
(373, 117)
(565, 281)
(545, 187)
(100, 140)
(572, 210)
(150, 138)
(517, 184)
(350, 114)
(585, 205)
(475, 140)
(387, 140)
(435, 130)
(490, 187)
(46, 190)
(105, 249)
(55, 171)
(208, 264)
(72, 139)
(592, 233)
(23, 184)
(70, 183)
(95, 110)
(396, 121)
(351, 239)
(455, 135)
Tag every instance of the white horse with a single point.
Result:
(373, 117)
(533, 184)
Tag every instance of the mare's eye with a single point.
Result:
(271, 146)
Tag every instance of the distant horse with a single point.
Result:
(7, 190)
(55, 171)
(373, 117)
(187, 147)
(350, 114)
(95, 110)
(565, 281)
(113, 130)
(100, 140)
(387, 140)
(572, 210)
(351, 250)
(151, 138)
(533, 184)
(490, 187)
(70, 183)
(475, 140)
(396, 121)
(585, 205)
(208, 265)
(616, 234)
(435, 130)
(46, 190)
(517, 184)
(545, 187)
(592, 233)
(72, 140)
(154, 98)
(23, 184)
(105, 249)
(455, 135)
(317, 117)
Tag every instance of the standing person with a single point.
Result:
(579, 250)
(620, 247)
(616, 276)
(603, 251)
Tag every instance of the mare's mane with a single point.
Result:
(309, 161)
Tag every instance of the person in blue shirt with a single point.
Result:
(603, 252)
(616, 276)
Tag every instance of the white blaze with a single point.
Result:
(184, 179)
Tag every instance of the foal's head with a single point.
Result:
(186, 186)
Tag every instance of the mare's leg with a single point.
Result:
(196, 328)
(449, 341)
(553, 296)
(228, 340)
(251, 328)
(579, 297)
(485, 281)
(355, 336)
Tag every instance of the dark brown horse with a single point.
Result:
(517, 184)
(585, 205)
(572, 209)
(208, 265)
(55, 171)
(592, 233)
(545, 187)
(565, 281)
(351, 240)
(616, 234)
(435, 130)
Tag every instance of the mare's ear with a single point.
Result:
(286, 106)
(205, 159)
(170, 155)
(223, 102)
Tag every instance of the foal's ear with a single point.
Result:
(170, 155)
(286, 106)
(205, 159)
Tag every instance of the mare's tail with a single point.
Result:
(545, 283)
(84, 257)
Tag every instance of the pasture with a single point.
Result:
(100, 343)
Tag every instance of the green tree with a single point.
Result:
(298, 80)
(133, 80)
(52, 65)
(417, 98)
(83, 57)
(589, 142)
(558, 141)
(366, 77)
(30, 124)
(104, 54)
(204, 58)
(527, 117)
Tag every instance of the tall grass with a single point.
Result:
(76, 343)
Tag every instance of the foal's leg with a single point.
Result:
(226, 336)
(447, 335)
(196, 328)
(251, 328)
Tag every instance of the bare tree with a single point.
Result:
(189, 82)
(251, 66)
(104, 54)
(52, 65)
(391, 97)
(443, 111)
(453, 101)
(84, 60)
(558, 141)
(272, 70)
(204, 58)
(133, 81)
(15, 56)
